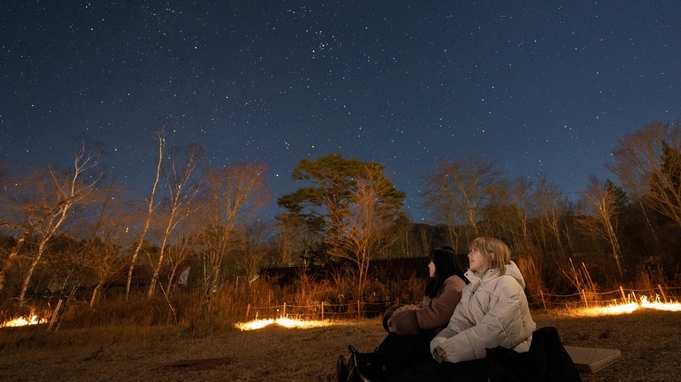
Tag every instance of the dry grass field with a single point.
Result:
(650, 342)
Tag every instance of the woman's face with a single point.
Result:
(477, 261)
(431, 269)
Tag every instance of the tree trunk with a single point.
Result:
(150, 210)
(31, 268)
(95, 294)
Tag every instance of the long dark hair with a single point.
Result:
(447, 264)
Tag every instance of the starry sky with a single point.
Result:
(540, 86)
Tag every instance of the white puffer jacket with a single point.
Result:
(493, 311)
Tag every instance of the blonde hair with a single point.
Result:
(490, 245)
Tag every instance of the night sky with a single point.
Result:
(540, 86)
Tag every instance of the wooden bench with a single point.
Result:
(591, 360)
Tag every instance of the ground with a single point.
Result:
(649, 341)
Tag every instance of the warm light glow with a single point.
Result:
(255, 324)
(657, 304)
(22, 321)
(632, 305)
(282, 321)
(608, 310)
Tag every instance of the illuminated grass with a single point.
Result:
(23, 321)
(629, 307)
(282, 321)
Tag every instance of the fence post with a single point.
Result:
(586, 303)
(248, 310)
(664, 298)
(322, 310)
(284, 310)
(543, 301)
(54, 315)
(358, 310)
(624, 297)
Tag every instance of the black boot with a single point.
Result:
(368, 365)
(341, 369)
(357, 375)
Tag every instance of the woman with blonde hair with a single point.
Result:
(411, 327)
(493, 310)
(490, 334)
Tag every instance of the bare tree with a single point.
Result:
(425, 236)
(233, 194)
(401, 230)
(508, 215)
(22, 211)
(254, 238)
(160, 135)
(185, 241)
(367, 224)
(648, 164)
(52, 195)
(109, 238)
(461, 188)
(520, 194)
(178, 173)
(601, 215)
(68, 261)
(439, 203)
(551, 204)
(294, 239)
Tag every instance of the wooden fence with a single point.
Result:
(358, 309)
(586, 299)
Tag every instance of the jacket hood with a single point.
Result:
(511, 270)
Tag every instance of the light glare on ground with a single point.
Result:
(22, 321)
(282, 321)
(619, 308)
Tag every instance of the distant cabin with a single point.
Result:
(380, 269)
(141, 275)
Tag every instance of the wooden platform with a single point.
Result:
(592, 359)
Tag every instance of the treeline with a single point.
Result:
(63, 229)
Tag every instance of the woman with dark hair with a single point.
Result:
(412, 327)
(491, 335)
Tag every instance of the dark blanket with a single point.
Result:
(546, 361)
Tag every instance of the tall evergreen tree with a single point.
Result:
(326, 205)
